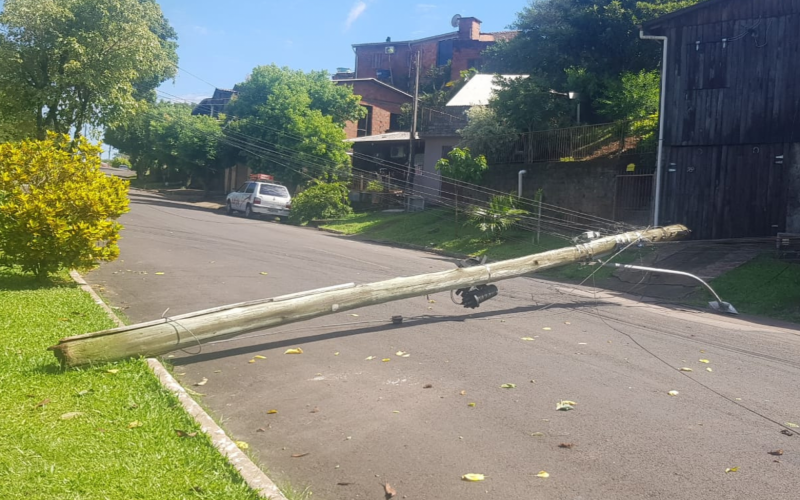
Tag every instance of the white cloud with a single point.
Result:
(425, 7)
(354, 14)
(200, 30)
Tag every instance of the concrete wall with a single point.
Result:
(584, 186)
(428, 184)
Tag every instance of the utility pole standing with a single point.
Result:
(472, 283)
(412, 138)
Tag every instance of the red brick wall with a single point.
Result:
(399, 63)
(463, 51)
(384, 102)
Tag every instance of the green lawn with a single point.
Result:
(95, 433)
(765, 286)
(436, 229)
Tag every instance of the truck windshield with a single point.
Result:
(274, 190)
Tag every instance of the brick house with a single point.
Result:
(382, 102)
(392, 62)
(215, 104)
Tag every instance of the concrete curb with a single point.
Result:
(253, 476)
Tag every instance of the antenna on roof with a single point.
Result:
(455, 20)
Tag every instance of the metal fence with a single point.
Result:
(582, 143)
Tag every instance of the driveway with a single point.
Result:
(347, 421)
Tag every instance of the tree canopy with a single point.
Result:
(68, 64)
(291, 124)
(587, 46)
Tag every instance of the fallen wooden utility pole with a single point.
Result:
(168, 334)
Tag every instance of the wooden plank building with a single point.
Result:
(732, 117)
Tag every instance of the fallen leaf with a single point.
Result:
(370, 358)
(71, 415)
(252, 361)
(431, 301)
(258, 356)
(709, 370)
(272, 412)
(299, 455)
(537, 434)
(704, 361)
(685, 369)
(565, 406)
(242, 445)
(343, 484)
(571, 403)
(776, 453)
(396, 411)
(463, 393)
(202, 382)
(793, 426)
(261, 429)
(43, 402)
(262, 273)
(787, 433)
(315, 410)
(389, 491)
(427, 386)
(184, 434)
(399, 353)
(568, 446)
(732, 469)
(336, 353)
(134, 424)
(673, 393)
(217, 371)
(473, 477)
(406, 355)
(508, 386)
(386, 360)
(159, 274)
(354, 315)
(471, 404)
(113, 371)
(84, 392)
(543, 474)
(567, 323)
(547, 328)
(296, 350)
(526, 338)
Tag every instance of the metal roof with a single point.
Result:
(387, 137)
(479, 90)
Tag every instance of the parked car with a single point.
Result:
(262, 198)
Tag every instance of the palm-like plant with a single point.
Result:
(499, 216)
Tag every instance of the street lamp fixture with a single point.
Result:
(572, 96)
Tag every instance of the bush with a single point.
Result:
(57, 208)
(374, 187)
(321, 201)
(120, 162)
(498, 217)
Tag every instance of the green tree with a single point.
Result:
(501, 214)
(635, 96)
(291, 124)
(488, 133)
(57, 209)
(461, 166)
(583, 46)
(167, 138)
(527, 104)
(322, 200)
(71, 64)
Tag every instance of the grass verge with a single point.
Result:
(765, 286)
(102, 432)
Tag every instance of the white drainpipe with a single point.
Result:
(660, 157)
(519, 182)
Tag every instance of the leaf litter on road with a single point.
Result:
(673, 393)
(508, 386)
(732, 469)
(566, 405)
(543, 474)
(473, 477)
(388, 491)
(704, 361)
(295, 350)
(202, 382)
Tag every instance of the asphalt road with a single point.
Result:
(364, 422)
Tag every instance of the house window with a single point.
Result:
(394, 122)
(446, 150)
(364, 126)
(377, 61)
(445, 52)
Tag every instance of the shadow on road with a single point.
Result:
(408, 323)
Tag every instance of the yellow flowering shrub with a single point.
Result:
(57, 209)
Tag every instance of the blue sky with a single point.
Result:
(220, 41)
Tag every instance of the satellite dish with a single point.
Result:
(455, 20)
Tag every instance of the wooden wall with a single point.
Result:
(732, 107)
(724, 192)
